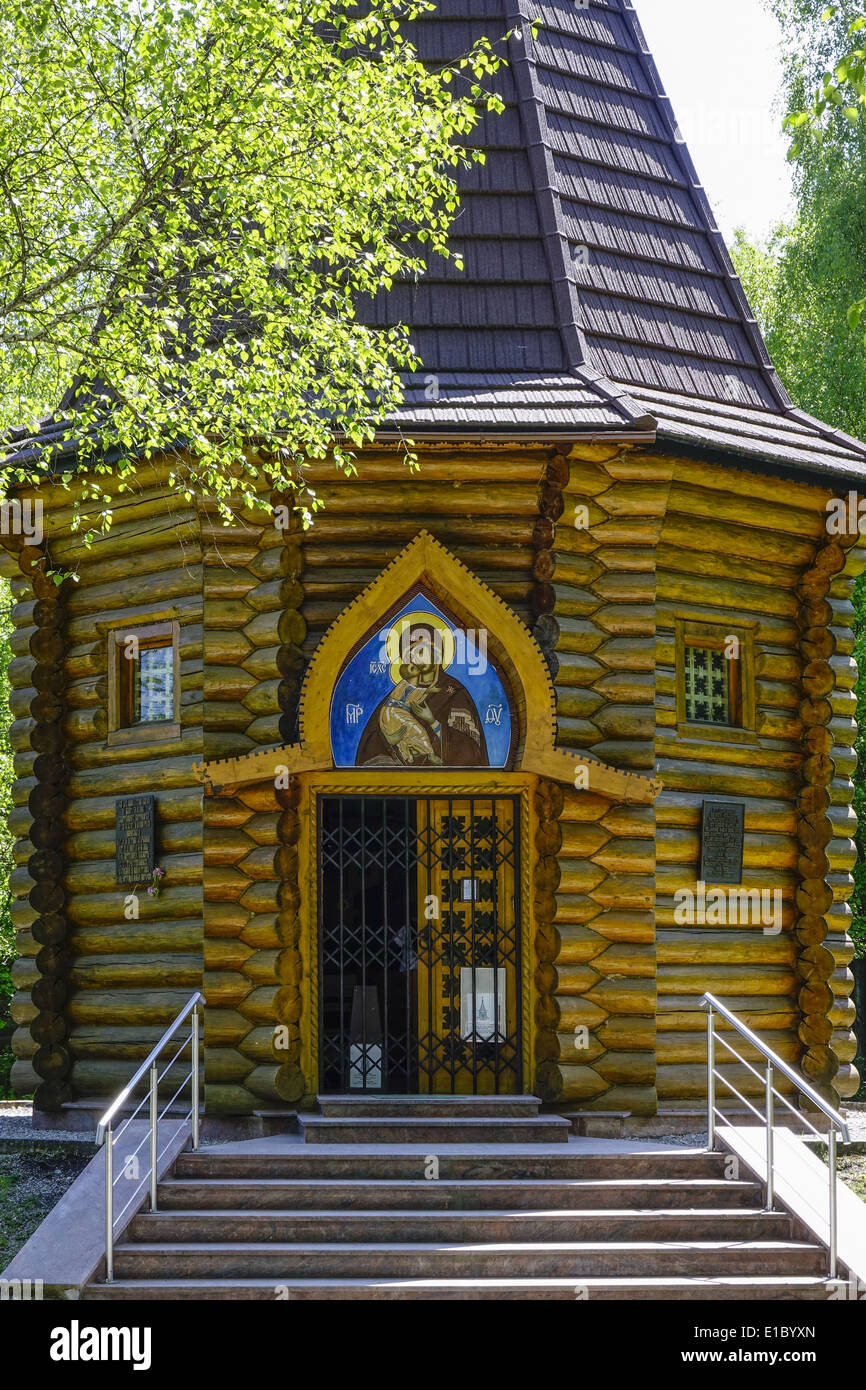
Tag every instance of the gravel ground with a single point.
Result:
(682, 1141)
(857, 1123)
(15, 1124)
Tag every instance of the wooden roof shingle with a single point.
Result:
(591, 254)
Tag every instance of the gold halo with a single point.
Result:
(394, 640)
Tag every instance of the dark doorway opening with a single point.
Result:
(419, 945)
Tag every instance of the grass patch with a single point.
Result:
(852, 1170)
(31, 1183)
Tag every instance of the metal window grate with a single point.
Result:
(707, 686)
(419, 944)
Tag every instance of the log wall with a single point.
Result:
(128, 975)
(738, 550)
(483, 505)
(253, 631)
(598, 551)
(841, 850)
(598, 629)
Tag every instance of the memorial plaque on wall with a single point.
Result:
(134, 857)
(722, 841)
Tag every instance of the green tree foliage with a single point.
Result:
(7, 932)
(194, 194)
(803, 281)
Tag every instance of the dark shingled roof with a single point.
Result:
(597, 295)
(597, 292)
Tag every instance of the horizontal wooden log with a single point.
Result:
(707, 562)
(261, 932)
(225, 1065)
(225, 953)
(683, 1082)
(182, 935)
(762, 814)
(186, 608)
(627, 1068)
(722, 979)
(261, 828)
(683, 1047)
(576, 1082)
(23, 1078)
(229, 1099)
(98, 875)
(266, 730)
(178, 803)
(168, 772)
(761, 850)
(157, 969)
(627, 1033)
(761, 1014)
(179, 838)
(623, 996)
(704, 500)
(631, 1100)
(88, 909)
(105, 1076)
(224, 1027)
(128, 1007)
(726, 779)
(225, 845)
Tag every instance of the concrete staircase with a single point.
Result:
(457, 1198)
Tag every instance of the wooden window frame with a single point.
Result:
(121, 730)
(714, 637)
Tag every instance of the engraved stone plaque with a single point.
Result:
(722, 841)
(134, 857)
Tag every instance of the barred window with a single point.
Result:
(707, 686)
(715, 679)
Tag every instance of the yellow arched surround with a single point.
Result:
(427, 564)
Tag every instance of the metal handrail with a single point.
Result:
(104, 1130)
(774, 1064)
(148, 1061)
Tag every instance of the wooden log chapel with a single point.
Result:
(477, 784)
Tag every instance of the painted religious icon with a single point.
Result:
(422, 692)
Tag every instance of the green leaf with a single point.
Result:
(199, 237)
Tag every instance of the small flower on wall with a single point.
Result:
(156, 883)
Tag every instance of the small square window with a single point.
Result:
(144, 683)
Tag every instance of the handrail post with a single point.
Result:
(776, 1065)
(109, 1205)
(834, 1233)
(195, 1077)
(771, 1187)
(154, 1128)
(711, 1080)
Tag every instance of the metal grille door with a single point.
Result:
(419, 944)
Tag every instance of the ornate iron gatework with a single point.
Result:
(419, 943)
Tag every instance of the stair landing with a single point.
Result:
(362, 1119)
